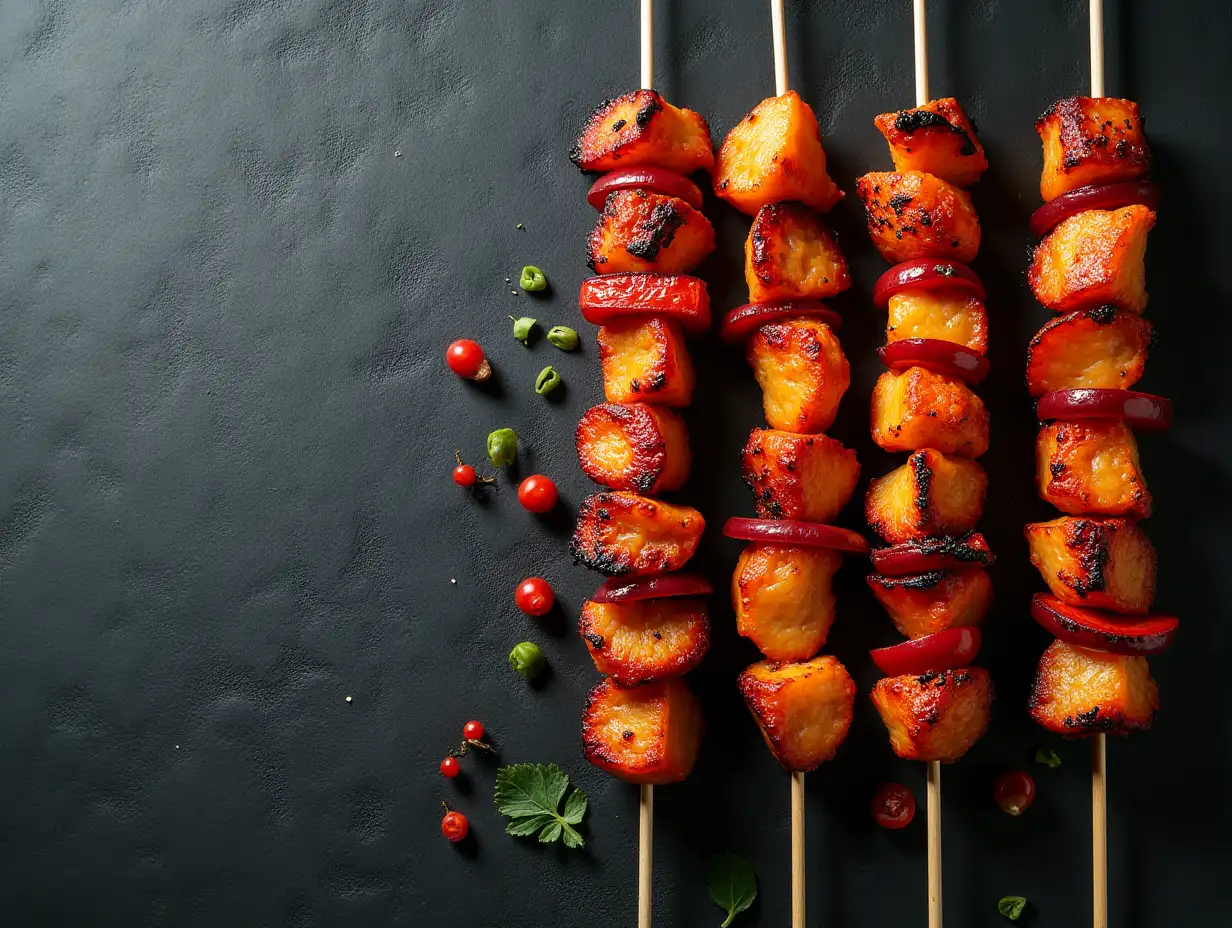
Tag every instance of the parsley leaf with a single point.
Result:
(530, 795)
(1048, 757)
(1011, 906)
(733, 885)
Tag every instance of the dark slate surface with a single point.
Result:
(227, 431)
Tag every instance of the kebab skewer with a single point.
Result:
(931, 576)
(1098, 564)
(648, 625)
(772, 166)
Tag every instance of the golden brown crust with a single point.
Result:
(1104, 348)
(804, 710)
(1080, 692)
(791, 254)
(646, 360)
(634, 446)
(1097, 563)
(645, 640)
(951, 317)
(802, 371)
(1094, 258)
(936, 138)
(640, 231)
(794, 476)
(775, 154)
(915, 215)
(935, 716)
(922, 604)
(921, 409)
(782, 598)
(1090, 467)
(648, 734)
(931, 494)
(626, 534)
(640, 128)
(1091, 140)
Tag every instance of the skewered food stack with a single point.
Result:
(1097, 562)
(772, 167)
(648, 625)
(930, 577)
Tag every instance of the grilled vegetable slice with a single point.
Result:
(804, 477)
(646, 640)
(1101, 563)
(616, 298)
(640, 128)
(1091, 140)
(1090, 466)
(791, 254)
(634, 447)
(645, 360)
(775, 154)
(1103, 348)
(640, 231)
(1078, 692)
(935, 716)
(802, 371)
(922, 409)
(922, 604)
(946, 650)
(743, 320)
(936, 552)
(931, 494)
(782, 598)
(1092, 259)
(1098, 196)
(657, 180)
(952, 317)
(916, 215)
(1104, 631)
(937, 138)
(648, 734)
(623, 533)
(804, 710)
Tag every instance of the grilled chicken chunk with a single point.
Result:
(935, 716)
(931, 494)
(791, 254)
(1078, 691)
(782, 598)
(1094, 258)
(647, 639)
(634, 447)
(648, 734)
(804, 710)
(805, 477)
(640, 231)
(623, 533)
(916, 215)
(1098, 563)
(775, 154)
(802, 371)
(640, 129)
(1091, 140)
(1104, 347)
(921, 604)
(1091, 467)
(936, 138)
(646, 360)
(950, 317)
(922, 409)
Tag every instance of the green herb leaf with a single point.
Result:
(1048, 757)
(547, 381)
(532, 279)
(522, 328)
(733, 885)
(530, 795)
(1012, 906)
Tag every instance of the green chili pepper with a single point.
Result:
(547, 381)
(532, 279)
(527, 659)
(563, 337)
(502, 447)
(522, 328)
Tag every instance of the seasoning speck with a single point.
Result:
(519, 226)
(348, 699)
(452, 580)
(398, 153)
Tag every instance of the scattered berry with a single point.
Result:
(534, 596)
(466, 359)
(893, 806)
(537, 493)
(1014, 792)
(465, 476)
(473, 730)
(450, 767)
(454, 826)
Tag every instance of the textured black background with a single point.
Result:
(226, 433)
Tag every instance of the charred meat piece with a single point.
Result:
(782, 598)
(647, 734)
(931, 494)
(1094, 258)
(646, 360)
(950, 317)
(639, 232)
(936, 138)
(935, 716)
(626, 534)
(809, 478)
(921, 604)
(791, 254)
(1099, 563)
(640, 128)
(802, 371)
(1078, 692)
(1090, 467)
(1104, 348)
(646, 639)
(918, 408)
(634, 447)
(1091, 140)
(804, 710)
(775, 154)
(916, 215)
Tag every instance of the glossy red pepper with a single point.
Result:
(938, 552)
(927, 274)
(742, 321)
(936, 355)
(944, 650)
(618, 590)
(668, 183)
(1104, 631)
(1093, 196)
(616, 297)
(789, 532)
(1137, 410)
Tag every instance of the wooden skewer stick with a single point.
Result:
(647, 44)
(797, 850)
(1097, 48)
(780, 47)
(934, 844)
(645, 855)
(921, 53)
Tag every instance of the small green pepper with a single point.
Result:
(532, 279)
(547, 381)
(522, 328)
(1012, 906)
(502, 447)
(563, 337)
(527, 659)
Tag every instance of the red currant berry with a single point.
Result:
(450, 767)
(473, 731)
(537, 493)
(534, 596)
(464, 476)
(466, 359)
(454, 826)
